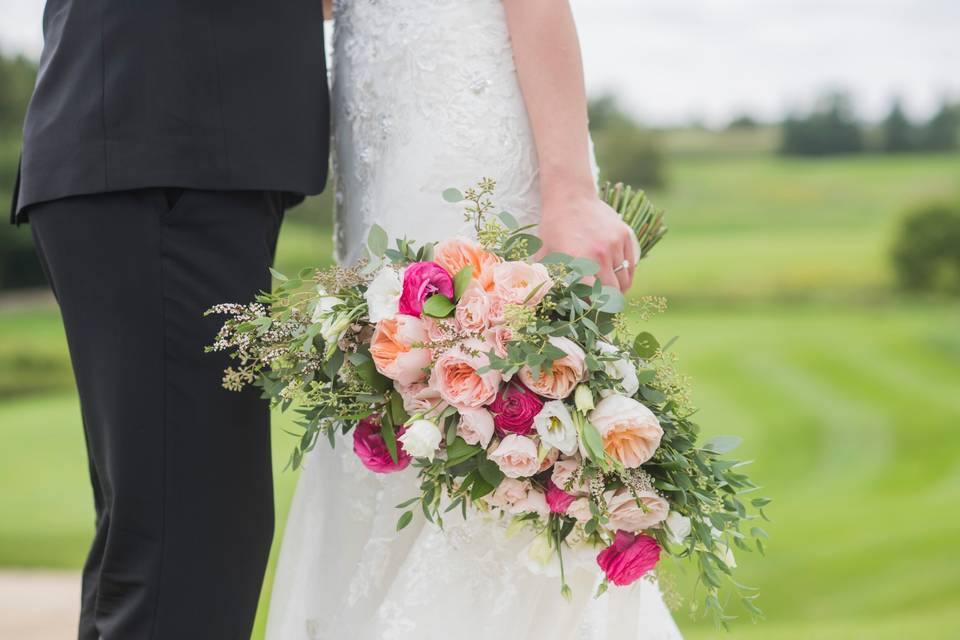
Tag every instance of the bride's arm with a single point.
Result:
(575, 220)
(327, 9)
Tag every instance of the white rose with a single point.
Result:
(383, 295)
(556, 428)
(421, 439)
(621, 369)
(678, 526)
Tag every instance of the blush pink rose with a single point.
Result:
(516, 456)
(370, 447)
(420, 398)
(565, 374)
(629, 558)
(514, 409)
(557, 499)
(628, 515)
(456, 379)
(476, 426)
(393, 351)
(420, 281)
(563, 474)
(548, 460)
(631, 433)
(518, 496)
(473, 308)
(521, 282)
(499, 337)
(580, 509)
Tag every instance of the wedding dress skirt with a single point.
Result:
(425, 98)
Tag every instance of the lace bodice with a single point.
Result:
(425, 97)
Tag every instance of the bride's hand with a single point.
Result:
(585, 226)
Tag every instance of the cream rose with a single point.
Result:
(516, 456)
(383, 295)
(518, 496)
(627, 515)
(580, 510)
(473, 308)
(521, 282)
(566, 373)
(421, 439)
(564, 470)
(630, 431)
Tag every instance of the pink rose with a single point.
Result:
(456, 379)
(567, 372)
(476, 426)
(521, 282)
(514, 409)
(557, 499)
(420, 281)
(393, 352)
(630, 431)
(473, 308)
(516, 456)
(518, 496)
(420, 398)
(627, 515)
(580, 509)
(499, 337)
(369, 446)
(563, 474)
(629, 558)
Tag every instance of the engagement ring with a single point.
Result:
(623, 265)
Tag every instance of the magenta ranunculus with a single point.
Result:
(420, 281)
(557, 499)
(369, 446)
(629, 558)
(514, 409)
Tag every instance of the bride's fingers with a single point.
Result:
(622, 268)
(630, 251)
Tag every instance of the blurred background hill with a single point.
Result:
(813, 272)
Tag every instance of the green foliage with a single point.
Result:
(898, 133)
(927, 250)
(830, 129)
(626, 152)
(941, 132)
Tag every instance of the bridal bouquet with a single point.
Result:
(513, 387)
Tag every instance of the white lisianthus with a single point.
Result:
(383, 295)
(421, 439)
(540, 557)
(621, 369)
(332, 324)
(678, 527)
(555, 426)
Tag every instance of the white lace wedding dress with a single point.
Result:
(426, 97)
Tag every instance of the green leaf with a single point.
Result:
(460, 451)
(279, 276)
(645, 345)
(398, 413)
(509, 221)
(452, 195)
(404, 519)
(461, 281)
(438, 306)
(555, 257)
(584, 267)
(615, 301)
(533, 243)
(369, 374)
(377, 240)
(389, 437)
(593, 441)
(480, 488)
(723, 444)
(490, 472)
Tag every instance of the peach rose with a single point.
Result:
(630, 431)
(393, 351)
(476, 426)
(473, 308)
(456, 379)
(499, 337)
(420, 398)
(516, 456)
(457, 253)
(521, 282)
(565, 375)
(627, 515)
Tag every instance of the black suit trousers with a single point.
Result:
(180, 467)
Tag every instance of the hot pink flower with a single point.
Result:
(369, 446)
(420, 281)
(514, 409)
(629, 558)
(557, 499)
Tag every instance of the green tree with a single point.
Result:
(940, 133)
(926, 254)
(898, 133)
(16, 85)
(626, 152)
(830, 128)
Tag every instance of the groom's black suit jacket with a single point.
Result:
(203, 94)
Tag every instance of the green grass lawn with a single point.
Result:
(850, 413)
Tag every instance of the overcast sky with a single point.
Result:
(673, 61)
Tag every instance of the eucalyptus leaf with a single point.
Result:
(584, 267)
(453, 195)
(645, 345)
(722, 444)
(461, 281)
(377, 240)
(509, 221)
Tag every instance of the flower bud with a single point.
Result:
(583, 398)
